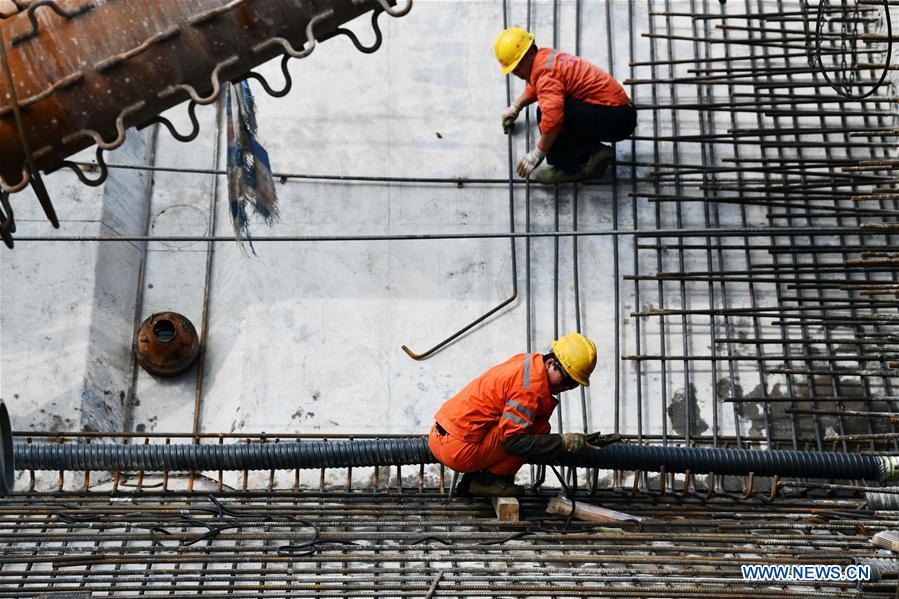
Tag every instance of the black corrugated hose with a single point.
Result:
(803, 464)
(414, 450)
(386, 452)
(237, 456)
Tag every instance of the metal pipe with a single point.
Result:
(122, 54)
(660, 287)
(635, 256)
(207, 277)
(885, 229)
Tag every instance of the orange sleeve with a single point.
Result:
(519, 414)
(551, 96)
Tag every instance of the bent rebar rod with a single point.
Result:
(514, 296)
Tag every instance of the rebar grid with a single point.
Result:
(363, 544)
(763, 148)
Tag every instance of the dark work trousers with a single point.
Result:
(584, 128)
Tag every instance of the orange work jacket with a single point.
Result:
(513, 396)
(557, 74)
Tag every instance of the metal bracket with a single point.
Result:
(7, 463)
(37, 184)
(7, 222)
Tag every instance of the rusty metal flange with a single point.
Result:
(167, 344)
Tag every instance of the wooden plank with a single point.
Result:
(507, 508)
(593, 513)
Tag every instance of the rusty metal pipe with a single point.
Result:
(83, 71)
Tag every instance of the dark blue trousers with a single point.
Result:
(584, 129)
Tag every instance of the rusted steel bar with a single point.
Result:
(763, 357)
(810, 398)
(773, 249)
(843, 413)
(796, 15)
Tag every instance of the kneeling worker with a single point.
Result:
(579, 107)
(501, 419)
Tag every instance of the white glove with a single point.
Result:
(529, 162)
(510, 115)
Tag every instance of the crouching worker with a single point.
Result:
(579, 107)
(500, 420)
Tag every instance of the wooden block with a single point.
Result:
(506, 508)
(888, 539)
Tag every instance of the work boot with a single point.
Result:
(463, 486)
(598, 162)
(552, 175)
(594, 168)
(487, 484)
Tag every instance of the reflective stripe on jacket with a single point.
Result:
(513, 396)
(557, 74)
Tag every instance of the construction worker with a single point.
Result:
(500, 420)
(579, 107)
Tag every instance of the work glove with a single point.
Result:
(600, 440)
(510, 115)
(529, 162)
(573, 442)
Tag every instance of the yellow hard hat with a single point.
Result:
(577, 355)
(510, 46)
